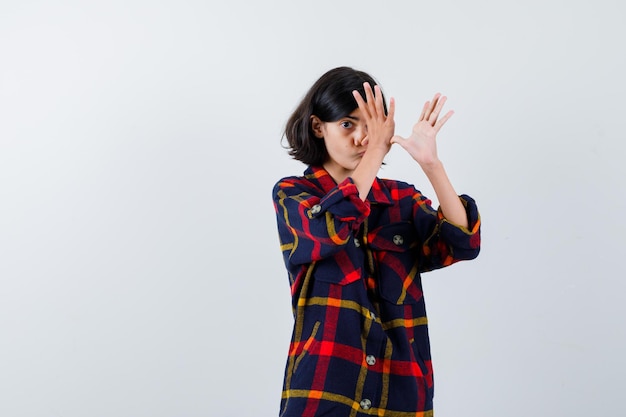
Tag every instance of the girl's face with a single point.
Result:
(346, 142)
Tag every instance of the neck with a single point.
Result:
(339, 174)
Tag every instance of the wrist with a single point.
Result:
(431, 166)
(379, 150)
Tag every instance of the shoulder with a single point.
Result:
(294, 185)
(404, 194)
(399, 188)
(312, 182)
(287, 182)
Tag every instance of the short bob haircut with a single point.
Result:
(330, 99)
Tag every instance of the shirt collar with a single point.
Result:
(379, 193)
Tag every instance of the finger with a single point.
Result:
(443, 120)
(391, 109)
(435, 114)
(397, 139)
(369, 96)
(380, 108)
(361, 103)
(432, 106)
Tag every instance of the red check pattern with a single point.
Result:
(360, 342)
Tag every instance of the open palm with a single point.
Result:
(422, 143)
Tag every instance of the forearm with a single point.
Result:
(380, 129)
(365, 173)
(314, 225)
(449, 202)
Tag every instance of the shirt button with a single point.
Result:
(398, 240)
(366, 404)
(316, 209)
(370, 359)
(357, 243)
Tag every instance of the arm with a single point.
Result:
(380, 129)
(451, 207)
(422, 146)
(311, 226)
(443, 242)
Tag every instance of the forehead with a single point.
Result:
(355, 115)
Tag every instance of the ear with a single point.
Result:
(317, 126)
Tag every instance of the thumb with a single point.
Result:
(398, 139)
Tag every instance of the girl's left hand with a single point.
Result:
(422, 144)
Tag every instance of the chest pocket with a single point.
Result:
(396, 250)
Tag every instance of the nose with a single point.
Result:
(360, 137)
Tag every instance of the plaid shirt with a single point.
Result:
(360, 342)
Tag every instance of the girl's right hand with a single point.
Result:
(380, 126)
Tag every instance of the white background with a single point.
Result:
(140, 273)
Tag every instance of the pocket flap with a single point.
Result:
(394, 237)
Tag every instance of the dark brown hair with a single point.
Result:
(330, 99)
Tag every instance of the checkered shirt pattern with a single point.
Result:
(360, 343)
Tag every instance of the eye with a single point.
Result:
(346, 124)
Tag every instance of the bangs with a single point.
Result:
(336, 100)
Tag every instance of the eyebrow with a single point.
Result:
(352, 117)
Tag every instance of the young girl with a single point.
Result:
(355, 245)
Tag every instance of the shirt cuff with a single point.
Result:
(343, 203)
(464, 237)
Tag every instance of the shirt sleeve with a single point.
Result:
(312, 227)
(444, 243)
